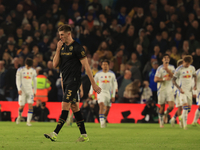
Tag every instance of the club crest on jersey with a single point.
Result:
(62, 48)
(109, 76)
(31, 73)
(71, 48)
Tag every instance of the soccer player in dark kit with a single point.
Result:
(70, 56)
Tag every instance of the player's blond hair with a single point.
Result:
(179, 62)
(188, 59)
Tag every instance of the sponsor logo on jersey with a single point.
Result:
(71, 48)
(167, 75)
(70, 53)
(105, 81)
(27, 77)
(187, 76)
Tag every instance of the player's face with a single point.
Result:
(165, 59)
(186, 64)
(64, 36)
(105, 66)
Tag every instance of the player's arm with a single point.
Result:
(81, 91)
(19, 81)
(171, 73)
(113, 88)
(91, 88)
(35, 82)
(84, 62)
(56, 59)
(176, 75)
(195, 81)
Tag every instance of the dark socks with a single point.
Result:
(61, 121)
(80, 122)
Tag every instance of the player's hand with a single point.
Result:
(181, 91)
(59, 44)
(113, 99)
(167, 78)
(96, 88)
(19, 92)
(34, 95)
(81, 93)
(195, 88)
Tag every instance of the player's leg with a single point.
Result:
(179, 115)
(107, 109)
(161, 115)
(30, 108)
(21, 101)
(161, 102)
(101, 114)
(170, 100)
(30, 114)
(196, 116)
(80, 122)
(185, 115)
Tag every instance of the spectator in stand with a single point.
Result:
(119, 59)
(152, 84)
(174, 53)
(8, 26)
(193, 43)
(196, 59)
(25, 53)
(60, 91)
(123, 81)
(7, 59)
(147, 93)
(43, 46)
(134, 62)
(19, 37)
(36, 110)
(10, 79)
(44, 113)
(104, 52)
(12, 50)
(2, 77)
(186, 47)
(122, 15)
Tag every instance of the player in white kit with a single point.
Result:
(24, 77)
(177, 100)
(185, 73)
(197, 113)
(164, 76)
(106, 80)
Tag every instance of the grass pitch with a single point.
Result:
(114, 137)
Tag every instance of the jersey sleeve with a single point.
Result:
(35, 81)
(114, 86)
(158, 73)
(177, 73)
(18, 79)
(80, 52)
(193, 71)
(173, 69)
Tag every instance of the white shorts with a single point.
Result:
(186, 98)
(198, 98)
(165, 96)
(25, 98)
(105, 98)
(177, 99)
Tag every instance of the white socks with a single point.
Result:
(184, 116)
(161, 119)
(30, 114)
(196, 117)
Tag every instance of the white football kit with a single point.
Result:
(185, 76)
(198, 87)
(24, 79)
(177, 94)
(107, 83)
(164, 89)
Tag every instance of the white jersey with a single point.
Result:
(107, 82)
(185, 76)
(198, 79)
(162, 73)
(24, 78)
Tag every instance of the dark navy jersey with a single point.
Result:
(70, 65)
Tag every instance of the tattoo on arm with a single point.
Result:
(174, 82)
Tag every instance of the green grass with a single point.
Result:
(114, 137)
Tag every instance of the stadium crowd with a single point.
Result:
(132, 34)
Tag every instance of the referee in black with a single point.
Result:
(70, 56)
